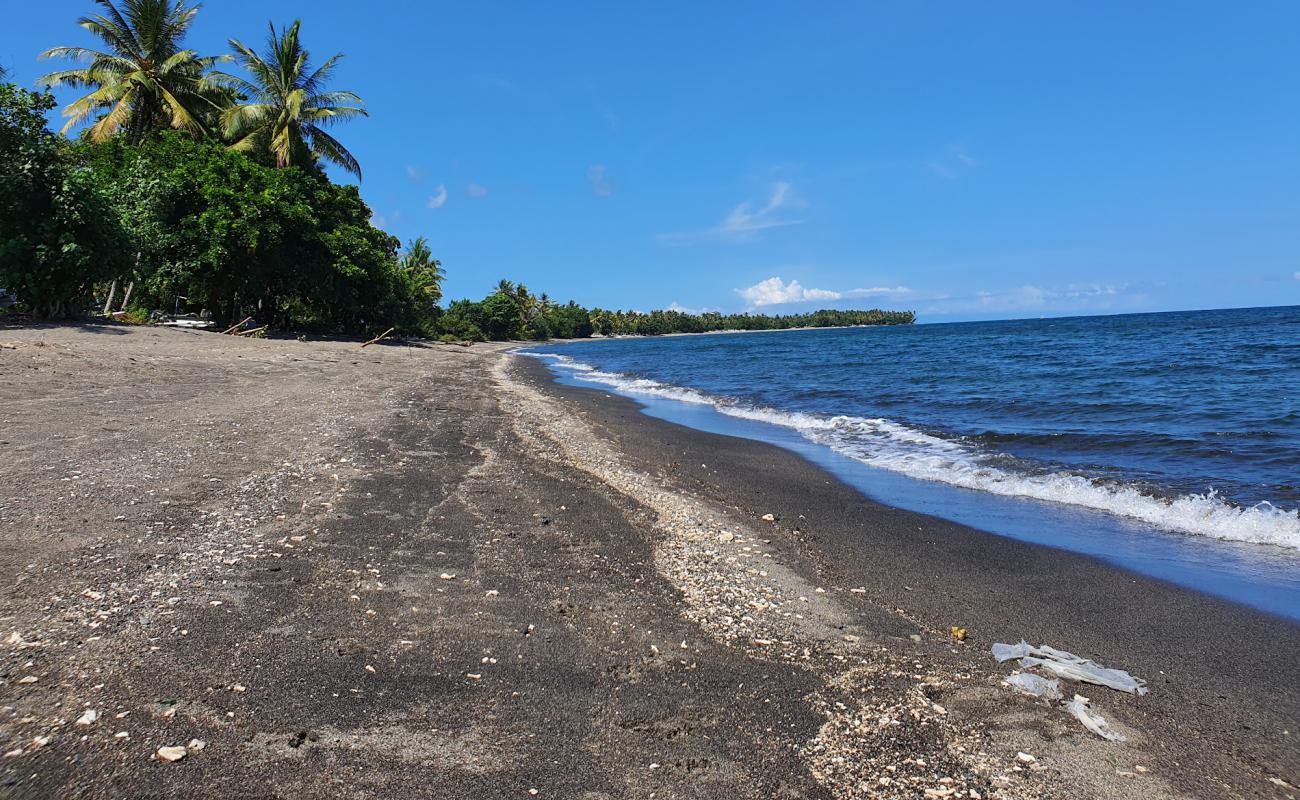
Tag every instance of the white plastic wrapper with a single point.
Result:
(1091, 719)
(1035, 685)
(1068, 665)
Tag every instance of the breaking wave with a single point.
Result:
(889, 445)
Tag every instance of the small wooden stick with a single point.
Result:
(237, 325)
(251, 331)
(380, 336)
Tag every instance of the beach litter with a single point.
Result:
(1066, 665)
(1091, 719)
(1035, 685)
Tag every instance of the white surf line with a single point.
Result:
(892, 446)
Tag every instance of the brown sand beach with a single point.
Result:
(283, 569)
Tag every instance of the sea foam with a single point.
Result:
(899, 448)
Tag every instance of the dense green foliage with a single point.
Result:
(57, 235)
(238, 237)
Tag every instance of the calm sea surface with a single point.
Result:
(1169, 443)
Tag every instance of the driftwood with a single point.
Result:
(380, 336)
(252, 331)
(237, 325)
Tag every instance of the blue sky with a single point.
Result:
(965, 160)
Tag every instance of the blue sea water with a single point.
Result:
(1166, 443)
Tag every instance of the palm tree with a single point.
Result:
(505, 287)
(288, 107)
(144, 80)
(426, 270)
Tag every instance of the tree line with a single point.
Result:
(191, 186)
(511, 311)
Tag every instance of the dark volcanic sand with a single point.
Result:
(294, 545)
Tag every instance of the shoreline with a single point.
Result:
(387, 570)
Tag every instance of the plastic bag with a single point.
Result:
(1091, 719)
(1035, 685)
(1067, 665)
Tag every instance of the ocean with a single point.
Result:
(1166, 443)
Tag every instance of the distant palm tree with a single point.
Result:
(505, 287)
(427, 271)
(289, 106)
(144, 80)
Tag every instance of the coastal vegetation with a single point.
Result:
(195, 188)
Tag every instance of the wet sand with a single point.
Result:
(431, 572)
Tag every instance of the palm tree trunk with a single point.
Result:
(112, 292)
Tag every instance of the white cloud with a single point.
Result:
(439, 198)
(598, 181)
(414, 173)
(774, 291)
(744, 222)
(1296, 276)
(476, 190)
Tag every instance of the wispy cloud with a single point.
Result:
(1296, 276)
(414, 173)
(952, 164)
(476, 190)
(599, 182)
(439, 198)
(775, 292)
(745, 222)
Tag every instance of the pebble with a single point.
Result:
(196, 745)
(172, 753)
(769, 518)
(1025, 758)
(447, 576)
(88, 718)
